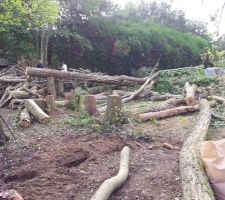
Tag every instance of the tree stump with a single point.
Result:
(114, 109)
(36, 111)
(90, 105)
(51, 86)
(190, 94)
(25, 120)
(51, 105)
(59, 87)
(3, 137)
(195, 184)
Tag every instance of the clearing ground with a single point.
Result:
(58, 161)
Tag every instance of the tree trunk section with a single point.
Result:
(110, 185)
(25, 120)
(195, 184)
(10, 195)
(50, 101)
(36, 111)
(168, 113)
(90, 105)
(114, 108)
(31, 71)
(51, 86)
(164, 97)
(190, 94)
(59, 87)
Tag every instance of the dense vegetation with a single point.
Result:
(97, 35)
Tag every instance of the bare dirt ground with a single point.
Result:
(60, 162)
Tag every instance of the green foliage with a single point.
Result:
(173, 81)
(76, 100)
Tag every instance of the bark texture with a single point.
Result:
(3, 137)
(90, 105)
(51, 86)
(168, 113)
(36, 111)
(25, 120)
(195, 184)
(50, 102)
(190, 94)
(110, 185)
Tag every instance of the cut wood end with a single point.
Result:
(190, 101)
(45, 120)
(25, 123)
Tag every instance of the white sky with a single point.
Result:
(194, 9)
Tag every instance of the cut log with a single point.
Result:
(42, 91)
(85, 77)
(168, 104)
(195, 184)
(59, 87)
(10, 195)
(36, 111)
(110, 185)
(51, 86)
(25, 120)
(3, 137)
(17, 94)
(218, 98)
(190, 94)
(42, 104)
(50, 101)
(114, 109)
(97, 89)
(168, 113)
(15, 103)
(12, 80)
(164, 97)
(121, 92)
(90, 105)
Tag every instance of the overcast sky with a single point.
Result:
(194, 9)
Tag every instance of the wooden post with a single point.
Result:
(3, 137)
(114, 108)
(51, 86)
(50, 101)
(59, 87)
(190, 93)
(90, 105)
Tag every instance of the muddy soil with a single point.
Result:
(60, 162)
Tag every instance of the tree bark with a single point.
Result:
(168, 104)
(85, 77)
(190, 94)
(110, 185)
(12, 80)
(10, 195)
(25, 120)
(168, 113)
(51, 86)
(59, 87)
(50, 101)
(114, 108)
(195, 184)
(218, 98)
(36, 111)
(90, 105)
(164, 97)
(14, 103)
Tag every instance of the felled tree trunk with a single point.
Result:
(25, 120)
(50, 102)
(218, 98)
(190, 94)
(195, 184)
(114, 108)
(164, 97)
(51, 86)
(15, 103)
(42, 91)
(36, 111)
(3, 137)
(110, 185)
(168, 113)
(84, 77)
(168, 104)
(90, 105)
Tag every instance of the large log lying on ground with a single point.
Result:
(163, 97)
(190, 93)
(36, 111)
(25, 120)
(12, 80)
(36, 72)
(195, 184)
(110, 185)
(168, 113)
(168, 104)
(218, 98)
